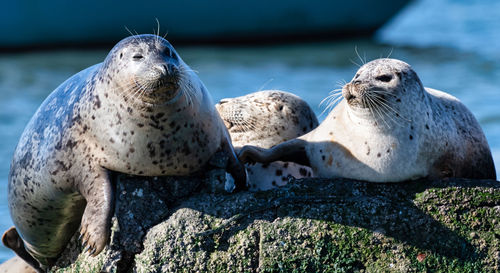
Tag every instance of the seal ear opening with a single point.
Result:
(12, 240)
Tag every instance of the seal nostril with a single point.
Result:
(166, 70)
(349, 96)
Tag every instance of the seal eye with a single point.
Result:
(384, 78)
(137, 57)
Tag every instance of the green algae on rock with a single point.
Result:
(311, 225)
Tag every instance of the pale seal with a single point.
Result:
(389, 128)
(265, 119)
(16, 265)
(142, 111)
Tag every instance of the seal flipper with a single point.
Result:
(235, 167)
(95, 227)
(12, 240)
(293, 150)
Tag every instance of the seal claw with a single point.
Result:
(93, 252)
(86, 248)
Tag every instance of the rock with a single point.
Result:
(311, 225)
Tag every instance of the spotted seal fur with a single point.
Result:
(389, 128)
(142, 112)
(16, 265)
(265, 119)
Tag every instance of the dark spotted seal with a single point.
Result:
(389, 128)
(265, 119)
(142, 111)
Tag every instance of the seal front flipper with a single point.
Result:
(12, 240)
(95, 227)
(234, 166)
(293, 150)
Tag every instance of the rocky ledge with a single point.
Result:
(311, 225)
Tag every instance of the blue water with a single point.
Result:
(453, 46)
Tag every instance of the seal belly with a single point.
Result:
(49, 224)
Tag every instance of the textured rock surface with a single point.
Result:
(311, 225)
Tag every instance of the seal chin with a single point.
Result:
(163, 95)
(158, 91)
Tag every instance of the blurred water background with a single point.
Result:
(454, 45)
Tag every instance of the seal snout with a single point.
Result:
(353, 92)
(167, 77)
(167, 70)
(348, 95)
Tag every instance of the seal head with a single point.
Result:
(147, 68)
(265, 119)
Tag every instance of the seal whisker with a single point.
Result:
(363, 61)
(384, 113)
(337, 90)
(380, 112)
(334, 102)
(386, 109)
(246, 126)
(130, 90)
(134, 91)
(341, 83)
(390, 53)
(185, 85)
(186, 93)
(147, 87)
(190, 70)
(331, 100)
(370, 106)
(383, 102)
(330, 95)
(187, 90)
(383, 92)
(264, 84)
(157, 38)
(132, 34)
(139, 92)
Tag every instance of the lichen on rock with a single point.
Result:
(311, 225)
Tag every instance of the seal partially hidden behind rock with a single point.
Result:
(389, 128)
(265, 119)
(142, 112)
